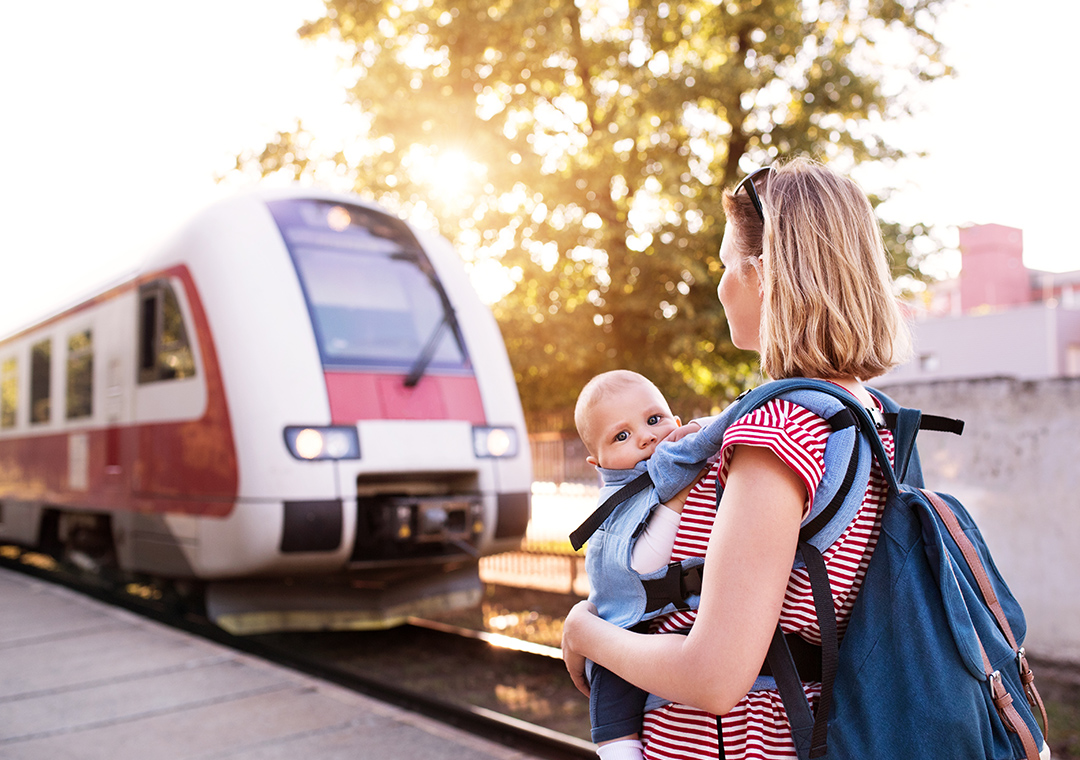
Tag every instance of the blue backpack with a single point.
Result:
(932, 663)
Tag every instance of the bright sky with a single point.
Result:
(118, 113)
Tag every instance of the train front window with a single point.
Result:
(371, 291)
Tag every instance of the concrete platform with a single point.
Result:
(82, 680)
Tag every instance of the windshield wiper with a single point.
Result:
(449, 320)
(428, 352)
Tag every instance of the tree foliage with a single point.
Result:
(593, 140)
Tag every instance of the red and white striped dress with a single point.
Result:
(757, 726)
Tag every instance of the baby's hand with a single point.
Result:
(682, 431)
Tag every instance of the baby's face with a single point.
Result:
(627, 425)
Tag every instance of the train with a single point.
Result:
(298, 406)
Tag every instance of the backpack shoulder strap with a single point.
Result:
(906, 424)
(930, 422)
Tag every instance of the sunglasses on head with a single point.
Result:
(748, 183)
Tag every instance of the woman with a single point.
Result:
(806, 284)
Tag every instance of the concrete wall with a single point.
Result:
(1017, 470)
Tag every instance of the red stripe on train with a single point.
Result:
(358, 396)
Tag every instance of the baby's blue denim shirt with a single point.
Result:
(616, 588)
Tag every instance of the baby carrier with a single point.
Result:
(614, 526)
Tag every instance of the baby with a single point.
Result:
(621, 417)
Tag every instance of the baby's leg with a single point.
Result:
(616, 708)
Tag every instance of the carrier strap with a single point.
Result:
(673, 588)
(813, 527)
(788, 684)
(596, 519)
(830, 644)
(806, 656)
(810, 741)
(804, 661)
(678, 583)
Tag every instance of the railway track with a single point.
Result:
(327, 656)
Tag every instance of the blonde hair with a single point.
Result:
(829, 309)
(600, 387)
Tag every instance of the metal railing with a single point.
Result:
(546, 560)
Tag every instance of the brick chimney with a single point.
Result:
(992, 272)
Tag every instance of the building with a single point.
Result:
(997, 319)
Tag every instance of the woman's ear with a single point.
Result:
(758, 266)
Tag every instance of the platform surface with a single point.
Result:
(82, 680)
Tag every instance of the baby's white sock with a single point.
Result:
(624, 749)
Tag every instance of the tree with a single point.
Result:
(593, 140)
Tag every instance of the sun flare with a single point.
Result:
(449, 173)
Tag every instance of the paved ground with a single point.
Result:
(82, 680)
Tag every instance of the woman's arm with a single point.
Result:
(747, 565)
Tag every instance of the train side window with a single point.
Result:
(80, 375)
(164, 350)
(9, 392)
(41, 381)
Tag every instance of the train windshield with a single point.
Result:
(373, 295)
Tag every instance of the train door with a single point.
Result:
(115, 350)
(114, 405)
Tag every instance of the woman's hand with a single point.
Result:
(575, 663)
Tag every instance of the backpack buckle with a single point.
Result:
(877, 417)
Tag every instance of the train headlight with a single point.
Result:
(495, 442)
(332, 442)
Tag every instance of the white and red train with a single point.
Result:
(299, 403)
